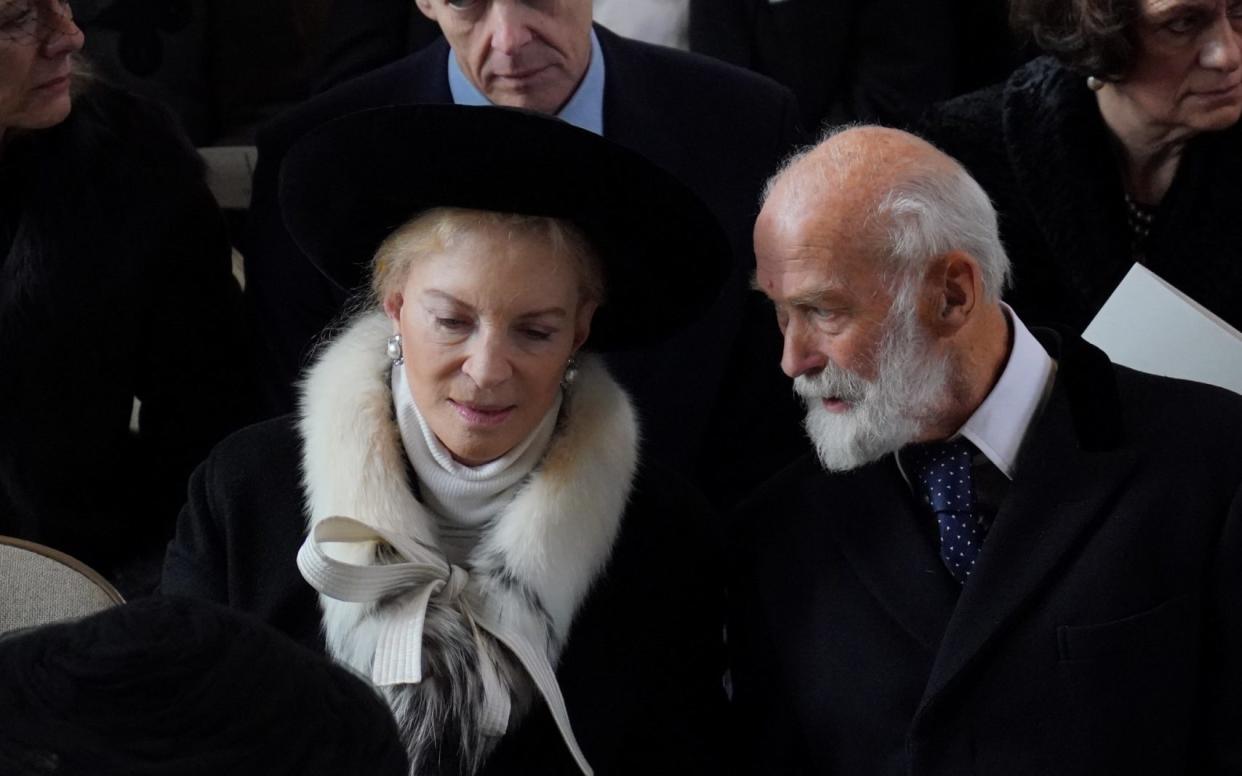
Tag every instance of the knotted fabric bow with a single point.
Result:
(427, 574)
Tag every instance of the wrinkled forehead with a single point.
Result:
(1160, 7)
(24, 20)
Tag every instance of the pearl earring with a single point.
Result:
(1094, 84)
(393, 349)
(571, 372)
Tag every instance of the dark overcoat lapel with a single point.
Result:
(895, 560)
(1071, 467)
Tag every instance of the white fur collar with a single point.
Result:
(536, 561)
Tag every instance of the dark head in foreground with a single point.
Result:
(172, 686)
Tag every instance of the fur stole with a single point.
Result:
(532, 568)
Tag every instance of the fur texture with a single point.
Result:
(531, 569)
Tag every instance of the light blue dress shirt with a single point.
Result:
(585, 108)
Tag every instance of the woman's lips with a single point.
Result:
(482, 414)
(55, 84)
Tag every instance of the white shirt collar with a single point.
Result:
(999, 425)
(585, 108)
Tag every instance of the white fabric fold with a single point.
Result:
(425, 572)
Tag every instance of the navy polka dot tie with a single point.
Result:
(940, 472)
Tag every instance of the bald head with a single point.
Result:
(851, 168)
(895, 194)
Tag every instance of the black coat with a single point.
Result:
(116, 284)
(640, 672)
(1100, 632)
(1039, 147)
(364, 35)
(710, 396)
(860, 60)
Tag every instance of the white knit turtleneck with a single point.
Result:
(464, 499)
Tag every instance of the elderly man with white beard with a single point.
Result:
(1008, 555)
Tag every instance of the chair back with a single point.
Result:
(39, 585)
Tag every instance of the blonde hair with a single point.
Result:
(434, 230)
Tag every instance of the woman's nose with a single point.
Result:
(487, 362)
(59, 33)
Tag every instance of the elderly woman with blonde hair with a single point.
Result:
(460, 511)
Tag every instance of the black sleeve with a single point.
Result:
(1221, 715)
(688, 714)
(195, 564)
(191, 378)
(723, 29)
(764, 734)
(239, 532)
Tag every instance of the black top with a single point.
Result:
(1039, 147)
(117, 286)
(643, 661)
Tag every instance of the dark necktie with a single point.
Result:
(940, 473)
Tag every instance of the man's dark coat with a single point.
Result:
(1100, 633)
(708, 397)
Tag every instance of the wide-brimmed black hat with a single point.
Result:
(348, 184)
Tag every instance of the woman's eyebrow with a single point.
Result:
(557, 312)
(444, 296)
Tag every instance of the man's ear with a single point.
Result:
(392, 307)
(956, 287)
(427, 7)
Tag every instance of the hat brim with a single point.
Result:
(351, 182)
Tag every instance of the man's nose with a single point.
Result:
(510, 26)
(1223, 48)
(799, 355)
(487, 362)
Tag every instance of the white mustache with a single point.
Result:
(832, 382)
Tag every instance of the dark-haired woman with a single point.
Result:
(115, 285)
(1122, 146)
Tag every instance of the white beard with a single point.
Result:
(886, 414)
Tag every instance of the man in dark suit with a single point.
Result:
(705, 397)
(1011, 555)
